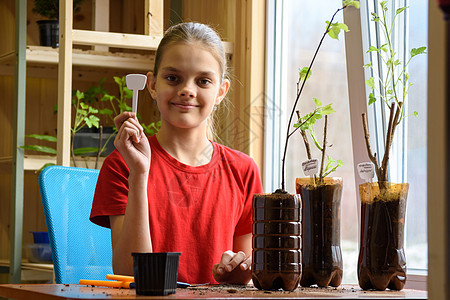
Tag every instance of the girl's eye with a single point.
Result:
(171, 78)
(204, 81)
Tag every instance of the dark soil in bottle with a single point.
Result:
(322, 256)
(276, 241)
(382, 262)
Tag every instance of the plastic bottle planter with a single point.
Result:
(276, 241)
(382, 262)
(321, 248)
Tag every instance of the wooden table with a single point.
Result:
(74, 291)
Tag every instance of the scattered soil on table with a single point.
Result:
(240, 289)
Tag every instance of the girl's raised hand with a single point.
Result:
(132, 143)
(233, 268)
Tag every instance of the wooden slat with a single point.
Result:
(18, 139)
(154, 17)
(438, 135)
(35, 162)
(64, 82)
(124, 40)
(47, 55)
(100, 19)
(111, 39)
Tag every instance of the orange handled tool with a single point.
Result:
(108, 283)
(123, 278)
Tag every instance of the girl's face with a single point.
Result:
(187, 86)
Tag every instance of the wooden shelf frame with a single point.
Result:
(37, 55)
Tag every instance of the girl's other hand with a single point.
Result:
(233, 268)
(132, 143)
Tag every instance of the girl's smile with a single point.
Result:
(184, 106)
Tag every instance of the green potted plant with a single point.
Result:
(88, 136)
(320, 195)
(382, 262)
(49, 28)
(268, 269)
(321, 198)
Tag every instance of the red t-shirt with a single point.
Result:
(193, 210)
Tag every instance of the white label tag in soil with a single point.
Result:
(310, 167)
(366, 170)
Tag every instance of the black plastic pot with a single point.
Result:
(89, 137)
(49, 33)
(156, 273)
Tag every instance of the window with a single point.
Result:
(294, 31)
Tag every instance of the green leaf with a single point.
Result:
(371, 83)
(351, 3)
(79, 95)
(416, 114)
(124, 107)
(107, 97)
(417, 51)
(406, 76)
(383, 5)
(332, 165)
(369, 65)
(372, 48)
(372, 98)
(335, 29)
(375, 17)
(317, 102)
(38, 148)
(390, 62)
(153, 128)
(92, 121)
(118, 80)
(93, 110)
(84, 105)
(326, 110)
(128, 94)
(81, 151)
(303, 72)
(400, 10)
(48, 138)
(106, 111)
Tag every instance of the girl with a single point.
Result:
(177, 191)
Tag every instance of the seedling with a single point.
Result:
(333, 30)
(394, 87)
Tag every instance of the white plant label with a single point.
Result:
(366, 170)
(310, 167)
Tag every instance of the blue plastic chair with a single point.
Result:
(80, 249)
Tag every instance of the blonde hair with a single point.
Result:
(192, 33)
